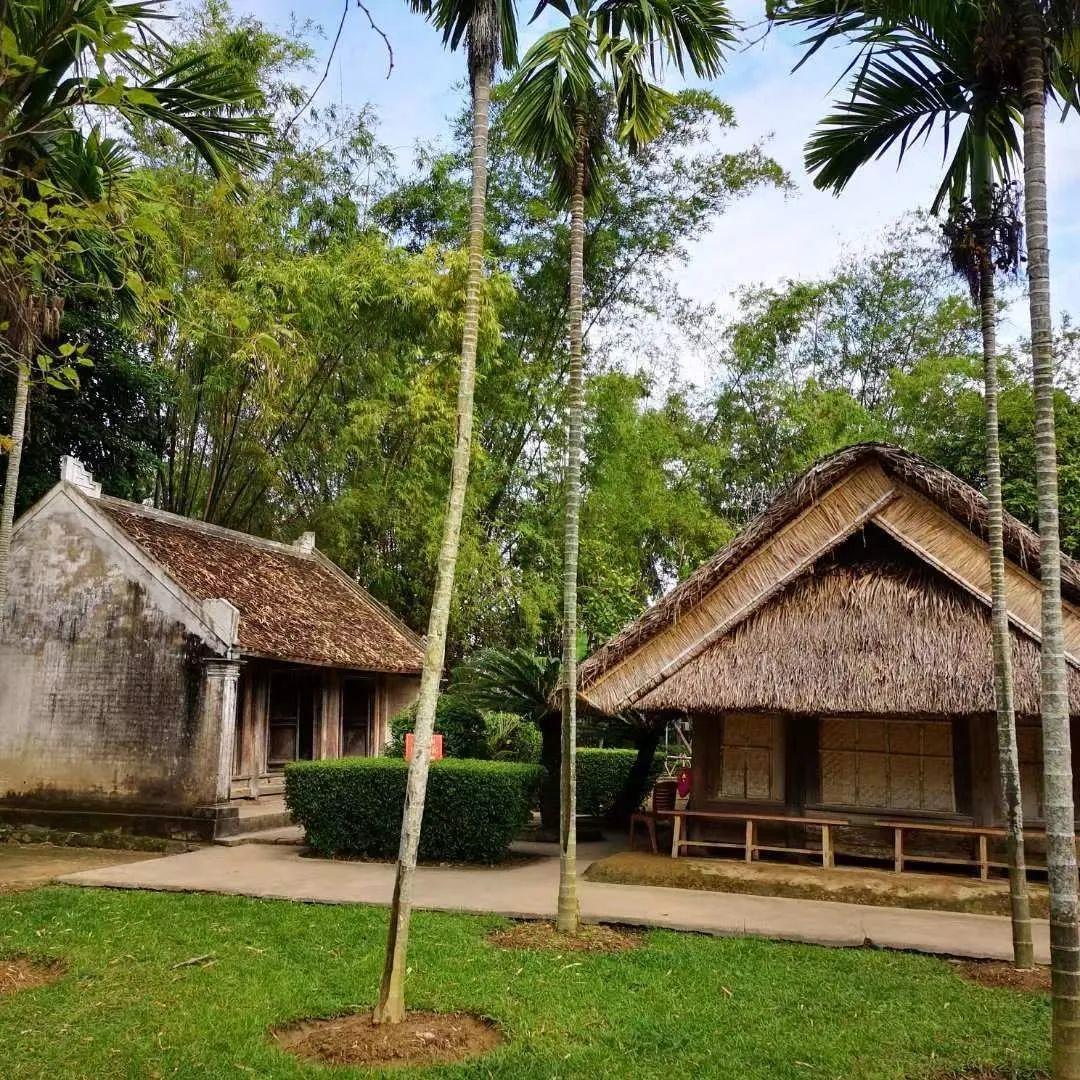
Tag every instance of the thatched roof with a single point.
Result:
(836, 489)
(294, 604)
(870, 630)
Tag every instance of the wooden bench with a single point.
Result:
(749, 843)
(981, 833)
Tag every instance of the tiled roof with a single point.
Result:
(293, 605)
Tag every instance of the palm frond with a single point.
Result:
(79, 49)
(203, 99)
(553, 82)
(509, 680)
(898, 102)
(694, 33)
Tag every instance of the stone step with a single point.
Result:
(274, 834)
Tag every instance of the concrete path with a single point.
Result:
(527, 890)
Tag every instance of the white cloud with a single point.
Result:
(766, 237)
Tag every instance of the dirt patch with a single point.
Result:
(543, 935)
(850, 885)
(998, 975)
(26, 866)
(423, 1038)
(21, 973)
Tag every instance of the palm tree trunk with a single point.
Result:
(1008, 759)
(551, 785)
(11, 480)
(566, 919)
(391, 1005)
(1057, 751)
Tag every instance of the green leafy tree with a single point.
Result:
(522, 682)
(650, 205)
(558, 115)
(62, 191)
(109, 422)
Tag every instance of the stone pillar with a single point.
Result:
(219, 690)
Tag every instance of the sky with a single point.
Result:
(766, 237)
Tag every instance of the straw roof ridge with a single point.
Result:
(959, 499)
(880, 635)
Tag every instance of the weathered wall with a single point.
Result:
(398, 693)
(100, 677)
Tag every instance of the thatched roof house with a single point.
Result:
(841, 646)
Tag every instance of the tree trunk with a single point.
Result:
(391, 1005)
(551, 785)
(627, 801)
(566, 919)
(1057, 752)
(11, 480)
(1008, 759)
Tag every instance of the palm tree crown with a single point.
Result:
(99, 54)
(617, 46)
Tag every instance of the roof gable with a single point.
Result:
(293, 605)
(870, 629)
(931, 512)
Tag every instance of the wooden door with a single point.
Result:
(357, 717)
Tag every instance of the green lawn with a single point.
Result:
(683, 1006)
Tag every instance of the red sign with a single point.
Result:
(436, 747)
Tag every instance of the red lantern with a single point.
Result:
(684, 781)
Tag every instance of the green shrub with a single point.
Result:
(353, 806)
(461, 726)
(512, 738)
(601, 775)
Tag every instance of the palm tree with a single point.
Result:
(63, 62)
(1048, 32)
(922, 63)
(522, 682)
(984, 237)
(489, 29)
(558, 114)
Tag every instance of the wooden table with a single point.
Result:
(749, 843)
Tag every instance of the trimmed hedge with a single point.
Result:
(601, 775)
(353, 806)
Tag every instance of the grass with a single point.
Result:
(680, 1005)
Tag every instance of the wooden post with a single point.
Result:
(749, 840)
(898, 850)
(984, 866)
(676, 830)
(826, 847)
